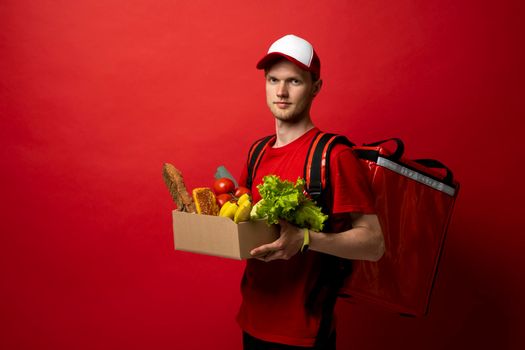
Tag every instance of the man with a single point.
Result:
(288, 295)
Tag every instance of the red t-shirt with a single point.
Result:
(274, 293)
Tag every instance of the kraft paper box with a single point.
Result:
(220, 236)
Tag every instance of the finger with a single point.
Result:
(264, 249)
(265, 257)
(270, 256)
(275, 255)
(261, 256)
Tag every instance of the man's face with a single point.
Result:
(290, 91)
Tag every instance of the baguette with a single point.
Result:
(175, 182)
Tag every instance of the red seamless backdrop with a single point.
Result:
(95, 96)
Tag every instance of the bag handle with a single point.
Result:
(436, 164)
(400, 147)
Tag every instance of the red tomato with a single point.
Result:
(241, 190)
(223, 198)
(223, 185)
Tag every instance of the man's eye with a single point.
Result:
(296, 82)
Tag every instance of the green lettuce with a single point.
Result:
(282, 199)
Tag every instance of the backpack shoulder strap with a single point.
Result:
(254, 157)
(317, 165)
(316, 175)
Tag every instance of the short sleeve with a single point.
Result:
(350, 189)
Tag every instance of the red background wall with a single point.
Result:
(95, 96)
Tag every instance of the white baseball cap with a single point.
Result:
(294, 49)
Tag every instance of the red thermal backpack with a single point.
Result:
(414, 200)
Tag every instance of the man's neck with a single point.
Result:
(289, 132)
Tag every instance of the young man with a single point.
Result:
(289, 296)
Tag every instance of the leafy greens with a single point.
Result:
(282, 199)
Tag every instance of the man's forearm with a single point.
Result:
(363, 242)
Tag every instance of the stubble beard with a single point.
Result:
(290, 116)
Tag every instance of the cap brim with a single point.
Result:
(273, 57)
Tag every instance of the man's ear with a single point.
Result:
(317, 87)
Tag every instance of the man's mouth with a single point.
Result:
(282, 104)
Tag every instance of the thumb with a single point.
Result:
(264, 249)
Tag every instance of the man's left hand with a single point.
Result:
(287, 245)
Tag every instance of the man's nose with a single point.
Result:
(282, 90)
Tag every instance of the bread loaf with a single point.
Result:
(175, 182)
(205, 201)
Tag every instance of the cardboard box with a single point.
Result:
(219, 236)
